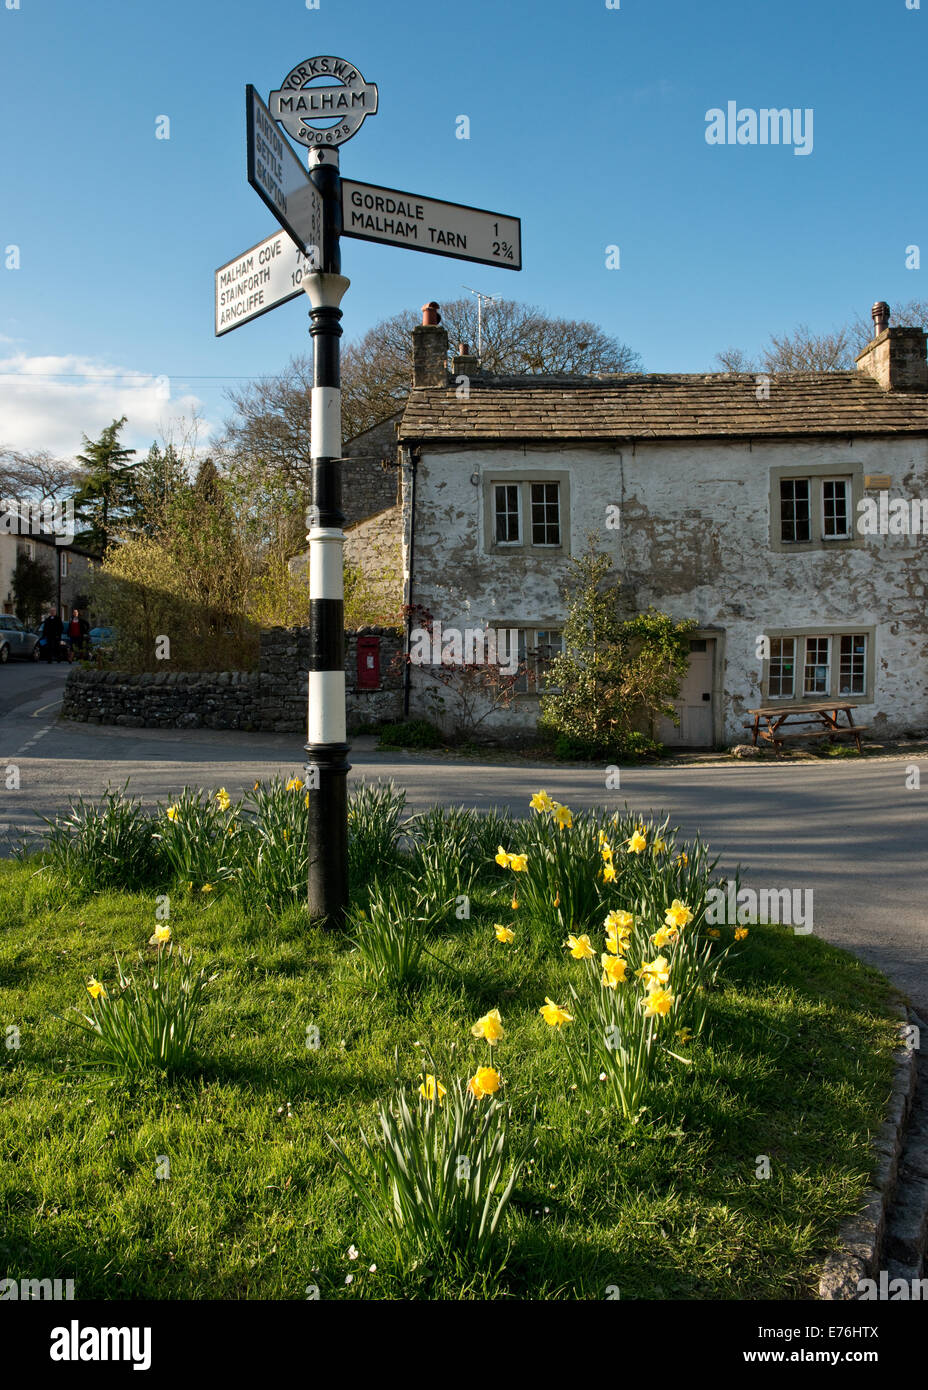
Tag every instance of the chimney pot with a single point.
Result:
(430, 349)
(895, 357)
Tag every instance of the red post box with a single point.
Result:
(368, 662)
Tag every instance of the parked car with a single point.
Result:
(102, 636)
(16, 639)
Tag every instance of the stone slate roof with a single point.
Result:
(688, 406)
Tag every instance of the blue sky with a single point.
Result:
(589, 123)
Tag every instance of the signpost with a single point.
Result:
(259, 279)
(427, 224)
(322, 103)
(277, 176)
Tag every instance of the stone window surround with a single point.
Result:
(524, 477)
(834, 631)
(816, 472)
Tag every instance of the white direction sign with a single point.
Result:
(258, 280)
(427, 224)
(277, 175)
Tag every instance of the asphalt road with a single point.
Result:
(852, 833)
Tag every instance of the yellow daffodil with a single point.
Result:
(518, 863)
(541, 801)
(606, 853)
(636, 842)
(224, 799)
(581, 948)
(256, 786)
(485, 1082)
(609, 874)
(617, 941)
(614, 968)
(619, 920)
(95, 989)
(657, 1001)
(502, 858)
(655, 972)
(161, 937)
(664, 936)
(504, 934)
(557, 898)
(171, 813)
(207, 888)
(428, 1089)
(659, 846)
(553, 1014)
(682, 858)
(489, 1027)
(678, 914)
(515, 903)
(563, 817)
(684, 1034)
(740, 933)
(295, 784)
(713, 932)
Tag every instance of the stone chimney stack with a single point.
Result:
(464, 363)
(430, 349)
(895, 357)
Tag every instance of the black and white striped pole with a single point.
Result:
(327, 746)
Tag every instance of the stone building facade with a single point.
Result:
(736, 501)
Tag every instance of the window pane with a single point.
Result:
(834, 508)
(782, 667)
(817, 679)
(852, 675)
(546, 514)
(521, 682)
(548, 645)
(795, 514)
(506, 504)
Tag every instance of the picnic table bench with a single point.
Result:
(776, 723)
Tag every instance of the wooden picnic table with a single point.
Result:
(776, 723)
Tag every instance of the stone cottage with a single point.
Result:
(786, 516)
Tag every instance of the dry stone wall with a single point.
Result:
(272, 699)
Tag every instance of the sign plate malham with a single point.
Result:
(258, 280)
(275, 172)
(341, 105)
(427, 224)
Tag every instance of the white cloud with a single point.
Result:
(50, 402)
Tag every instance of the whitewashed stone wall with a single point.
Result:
(694, 541)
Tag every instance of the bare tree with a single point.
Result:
(36, 474)
(271, 427)
(805, 351)
(734, 360)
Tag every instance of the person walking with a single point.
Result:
(50, 634)
(78, 628)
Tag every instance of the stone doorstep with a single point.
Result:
(873, 1235)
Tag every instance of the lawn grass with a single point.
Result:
(795, 1064)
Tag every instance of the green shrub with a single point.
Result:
(413, 733)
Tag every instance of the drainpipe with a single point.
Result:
(413, 455)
